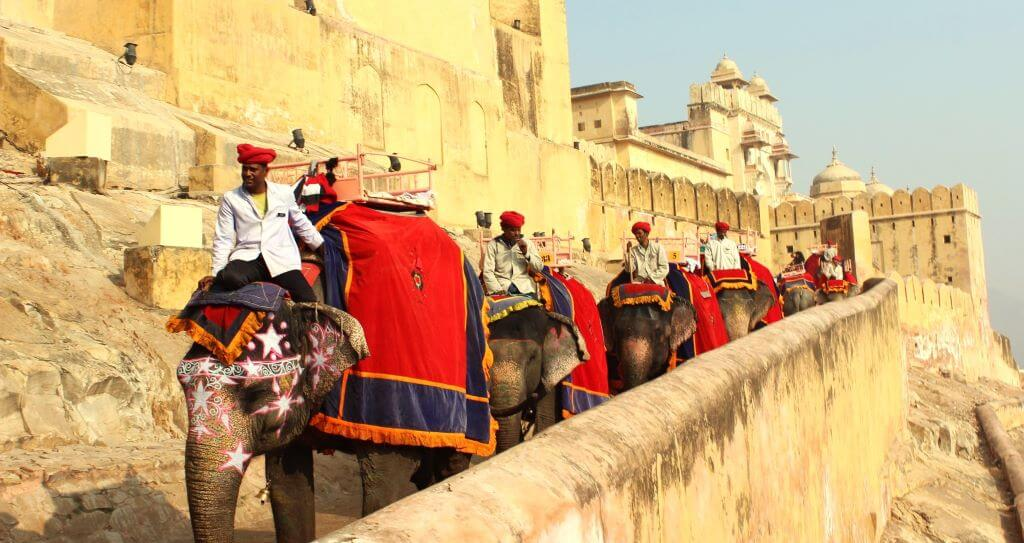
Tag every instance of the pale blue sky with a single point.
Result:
(929, 92)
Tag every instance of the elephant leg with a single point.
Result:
(387, 473)
(447, 462)
(547, 410)
(290, 476)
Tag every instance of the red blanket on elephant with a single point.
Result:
(711, 332)
(417, 298)
(587, 385)
(764, 275)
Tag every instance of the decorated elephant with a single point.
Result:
(644, 325)
(534, 350)
(259, 402)
(744, 309)
(833, 291)
(795, 300)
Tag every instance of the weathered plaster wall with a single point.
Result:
(780, 436)
(945, 329)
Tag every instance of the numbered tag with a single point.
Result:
(547, 258)
(675, 256)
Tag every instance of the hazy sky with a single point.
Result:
(929, 92)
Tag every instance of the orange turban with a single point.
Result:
(641, 225)
(512, 219)
(722, 225)
(248, 154)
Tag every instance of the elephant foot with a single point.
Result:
(387, 472)
(290, 478)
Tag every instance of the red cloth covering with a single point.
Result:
(250, 154)
(513, 219)
(590, 377)
(641, 294)
(406, 284)
(711, 332)
(765, 276)
(811, 266)
(327, 193)
(641, 225)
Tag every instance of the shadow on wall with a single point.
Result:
(128, 511)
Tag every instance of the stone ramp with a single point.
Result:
(137, 494)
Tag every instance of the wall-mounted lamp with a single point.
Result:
(396, 165)
(128, 58)
(538, 234)
(298, 142)
(483, 219)
(586, 244)
(310, 7)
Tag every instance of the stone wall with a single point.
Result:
(945, 330)
(675, 207)
(784, 435)
(928, 233)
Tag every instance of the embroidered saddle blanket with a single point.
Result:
(225, 322)
(741, 278)
(833, 286)
(642, 294)
(499, 307)
(798, 281)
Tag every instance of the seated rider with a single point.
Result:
(720, 252)
(647, 261)
(509, 260)
(831, 267)
(254, 240)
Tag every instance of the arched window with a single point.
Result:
(477, 139)
(429, 141)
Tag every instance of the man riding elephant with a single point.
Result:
(745, 300)
(510, 260)
(720, 252)
(647, 261)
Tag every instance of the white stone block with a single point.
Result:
(174, 226)
(86, 133)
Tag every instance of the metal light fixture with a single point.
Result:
(487, 219)
(310, 7)
(538, 234)
(130, 55)
(396, 165)
(480, 218)
(298, 142)
(517, 24)
(586, 244)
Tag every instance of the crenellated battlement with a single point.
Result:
(734, 99)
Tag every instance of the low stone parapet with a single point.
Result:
(784, 435)
(162, 276)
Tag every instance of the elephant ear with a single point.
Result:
(682, 323)
(605, 310)
(564, 350)
(763, 301)
(331, 340)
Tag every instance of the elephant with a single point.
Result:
(644, 338)
(533, 351)
(235, 416)
(743, 309)
(822, 297)
(795, 300)
(261, 404)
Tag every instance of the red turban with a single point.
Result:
(722, 225)
(645, 226)
(512, 219)
(248, 154)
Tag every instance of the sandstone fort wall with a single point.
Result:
(932, 234)
(784, 435)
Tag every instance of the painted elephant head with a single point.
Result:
(533, 351)
(260, 403)
(795, 300)
(643, 338)
(742, 309)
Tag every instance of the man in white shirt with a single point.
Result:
(509, 260)
(648, 260)
(254, 238)
(720, 252)
(831, 266)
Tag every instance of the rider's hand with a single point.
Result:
(205, 283)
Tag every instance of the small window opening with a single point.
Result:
(947, 238)
(949, 278)
(789, 248)
(597, 123)
(581, 126)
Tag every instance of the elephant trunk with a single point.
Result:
(212, 491)
(510, 430)
(636, 360)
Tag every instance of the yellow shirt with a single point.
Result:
(261, 203)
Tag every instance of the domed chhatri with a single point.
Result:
(874, 186)
(837, 179)
(728, 74)
(759, 88)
